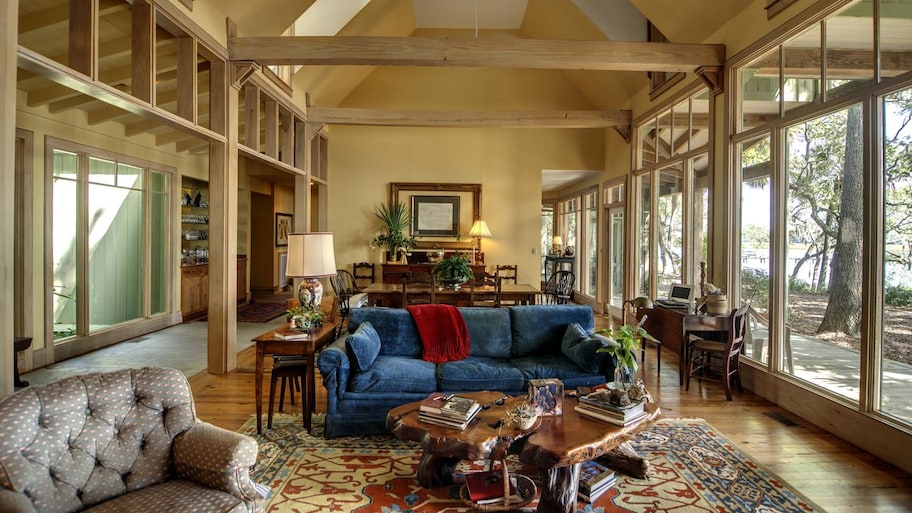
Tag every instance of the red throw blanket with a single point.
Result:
(443, 331)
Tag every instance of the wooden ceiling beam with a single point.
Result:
(468, 52)
(475, 119)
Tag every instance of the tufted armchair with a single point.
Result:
(121, 441)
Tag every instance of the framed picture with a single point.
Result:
(283, 228)
(547, 395)
(435, 216)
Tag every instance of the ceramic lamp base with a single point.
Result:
(310, 293)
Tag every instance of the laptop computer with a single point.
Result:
(679, 296)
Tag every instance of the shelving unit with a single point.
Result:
(194, 222)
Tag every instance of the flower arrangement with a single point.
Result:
(396, 218)
(304, 318)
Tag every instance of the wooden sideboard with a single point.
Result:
(393, 273)
(195, 288)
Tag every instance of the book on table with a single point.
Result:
(600, 400)
(290, 334)
(450, 406)
(488, 488)
(441, 420)
(599, 414)
(595, 479)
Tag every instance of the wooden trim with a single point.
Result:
(176, 16)
(83, 37)
(272, 128)
(474, 188)
(774, 7)
(490, 53)
(143, 51)
(498, 119)
(23, 230)
(664, 85)
(187, 83)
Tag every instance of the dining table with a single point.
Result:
(390, 294)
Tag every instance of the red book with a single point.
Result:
(487, 487)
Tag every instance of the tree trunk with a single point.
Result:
(843, 312)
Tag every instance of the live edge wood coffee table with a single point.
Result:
(557, 446)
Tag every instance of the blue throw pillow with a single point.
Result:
(364, 345)
(580, 347)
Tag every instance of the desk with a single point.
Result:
(390, 294)
(267, 344)
(672, 325)
(556, 263)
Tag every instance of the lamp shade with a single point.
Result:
(480, 229)
(557, 240)
(310, 255)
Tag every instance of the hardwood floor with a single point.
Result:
(834, 474)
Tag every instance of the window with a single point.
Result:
(614, 201)
(673, 183)
(111, 234)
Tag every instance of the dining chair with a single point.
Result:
(559, 288)
(345, 287)
(363, 273)
(507, 272)
(419, 288)
(718, 361)
(484, 290)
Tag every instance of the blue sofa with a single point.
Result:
(509, 346)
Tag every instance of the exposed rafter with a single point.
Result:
(471, 119)
(459, 52)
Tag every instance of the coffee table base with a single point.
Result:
(434, 471)
(559, 486)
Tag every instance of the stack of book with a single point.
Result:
(598, 406)
(488, 488)
(448, 410)
(595, 479)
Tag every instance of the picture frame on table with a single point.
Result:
(547, 395)
(283, 227)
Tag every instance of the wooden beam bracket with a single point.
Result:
(242, 71)
(712, 77)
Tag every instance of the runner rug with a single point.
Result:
(260, 312)
(693, 469)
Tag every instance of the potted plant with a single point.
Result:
(624, 342)
(304, 318)
(453, 270)
(396, 219)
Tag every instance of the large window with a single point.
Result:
(110, 243)
(614, 200)
(823, 145)
(673, 183)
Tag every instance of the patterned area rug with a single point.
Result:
(260, 312)
(693, 469)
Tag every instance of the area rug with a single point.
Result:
(260, 312)
(693, 469)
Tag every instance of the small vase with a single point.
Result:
(526, 422)
(623, 376)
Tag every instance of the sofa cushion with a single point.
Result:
(580, 348)
(364, 345)
(397, 331)
(556, 366)
(479, 373)
(539, 329)
(395, 374)
(176, 495)
(489, 330)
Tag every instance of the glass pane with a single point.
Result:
(760, 90)
(895, 26)
(129, 176)
(850, 50)
(700, 214)
(802, 69)
(644, 197)
(115, 255)
(824, 250)
(590, 287)
(547, 236)
(755, 243)
(896, 372)
(699, 121)
(102, 171)
(670, 228)
(158, 258)
(616, 256)
(64, 243)
(647, 140)
(663, 137)
(681, 132)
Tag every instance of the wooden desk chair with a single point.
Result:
(559, 288)
(419, 288)
(701, 354)
(487, 297)
(363, 273)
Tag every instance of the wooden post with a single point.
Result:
(8, 42)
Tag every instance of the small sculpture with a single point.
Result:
(638, 391)
(618, 397)
(197, 199)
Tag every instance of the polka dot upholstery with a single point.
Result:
(100, 438)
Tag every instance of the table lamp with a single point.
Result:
(479, 230)
(310, 256)
(636, 303)
(556, 244)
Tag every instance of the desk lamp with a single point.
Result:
(636, 303)
(310, 256)
(557, 243)
(479, 230)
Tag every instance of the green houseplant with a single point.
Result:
(396, 219)
(624, 342)
(453, 270)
